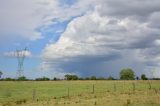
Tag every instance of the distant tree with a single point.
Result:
(54, 78)
(71, 77)
(87, 78)
(127, 74)
(110, 78)
(42, 79)
(93, 78)
(156, 78)
(9, 79)
(75, 77)
(1, 74)
(67, 77)
(143, 77)
(23, 78)
(80, 78)
(45, 79)
(100, 78)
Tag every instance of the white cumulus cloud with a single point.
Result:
(24, 18)
(18, 53)
(113, 29)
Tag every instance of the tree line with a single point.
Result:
(125, 74)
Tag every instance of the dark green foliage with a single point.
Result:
(127, 74)
(156, 78)
(23, 78)
(7, 79)
(55, 79)
(101, 78)
(87, 78)
(75, 77)
(93, 78)
(81, 78)
(71, 77)
(42, 79)
(143, 77)
(110, 78)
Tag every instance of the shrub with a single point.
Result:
(42, 79)
(127, 74)
(23, 78)
(93, 78)
(110, 78)
(143, 77)
(101, 78)
(71, 77)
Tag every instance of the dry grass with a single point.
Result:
(105, 94)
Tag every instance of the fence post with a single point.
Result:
(68, 93)
(150, 86)
(134, 87)
(93, 89)
(34, 94)
(115, 89)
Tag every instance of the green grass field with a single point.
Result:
(80, 93)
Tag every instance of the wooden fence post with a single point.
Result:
(93, 89)
(134, 87)
(115, 89)
(68, 93)
(34, 94)
(149, 83)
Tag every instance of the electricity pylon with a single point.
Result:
(20, 57)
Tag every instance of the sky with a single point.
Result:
(82, 37)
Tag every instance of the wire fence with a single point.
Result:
(90, 93)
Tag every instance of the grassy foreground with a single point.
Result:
(80, 93)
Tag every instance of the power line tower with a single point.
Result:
(20, 57)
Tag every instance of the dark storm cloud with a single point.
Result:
(128, 28)
(154, 19)
(87, 65)
(129, 7)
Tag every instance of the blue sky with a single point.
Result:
(84, 37)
